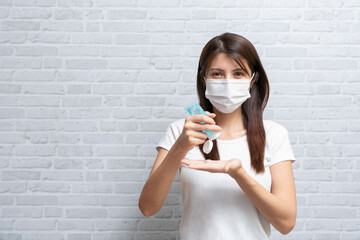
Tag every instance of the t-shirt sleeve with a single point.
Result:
(280, 146)
(168, 138)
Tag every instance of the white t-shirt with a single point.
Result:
(214, 205)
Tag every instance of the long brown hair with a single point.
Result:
(237, 47)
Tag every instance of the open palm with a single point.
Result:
(226, 166)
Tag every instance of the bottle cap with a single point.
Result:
(214, 135)
(207, 147)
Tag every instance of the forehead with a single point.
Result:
(225, 62)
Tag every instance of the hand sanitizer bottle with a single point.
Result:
(196, 109)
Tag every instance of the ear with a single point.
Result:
(254, 79)
(204, 81)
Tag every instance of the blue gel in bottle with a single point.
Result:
(196, 109)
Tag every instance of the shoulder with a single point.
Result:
(277, 142)
(177, 126)
(172, 132)
(178, 123)
(274, 129)
(272, 125)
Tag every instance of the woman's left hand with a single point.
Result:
(227, 166)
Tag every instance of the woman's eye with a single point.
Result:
(238, 74)
(216, 74)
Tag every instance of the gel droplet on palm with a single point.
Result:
(196, 109)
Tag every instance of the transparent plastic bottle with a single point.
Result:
(196, 109)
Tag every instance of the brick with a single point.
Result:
(62, 175)
(10, 236)
(128, 26)
(72, 200)
(13, 187)
(335, 213)
(6, 200)
(77, 126)
(126, 163)
(22, 212)
(34, 224)
(79, 51)
(15, 138)
(30, 163)
(126, 14)
(86, 213)
(279, 14)
(85, 64)
(36, 200)
(30, 13)
(52, 212)
(133, 176)
(68, 14)
(128, 212)
(103, 138)
(167, 225)
(120, 51)
(43, 236)
(20, 26)
(20, 175)
(85, 225)
(119, 225)
(10, 88)
(46, 113)
(69, 151)
(49, 187)
(81, 101)
(92, 38)
(79, 236)
(132, 39)
(93, 187)
(34, 150)
(58, 26)
(106, 89)
(89, 113)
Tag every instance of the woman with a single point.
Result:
(246, 182)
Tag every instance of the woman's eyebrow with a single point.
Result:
(236, 69)
(211, 69)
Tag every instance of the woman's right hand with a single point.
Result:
(192, 134)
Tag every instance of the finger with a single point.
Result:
(192, 161)
(198, 134)
(226, 168)
(206, 127)
(210, 114)
(185, 161)
(189, 162)
(205, 164)
(210, 167)
(201, 118)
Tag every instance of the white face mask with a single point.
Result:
(226, 95)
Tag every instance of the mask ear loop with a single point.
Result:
(204, 80)
(254, 75)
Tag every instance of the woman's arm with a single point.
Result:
(277, 206)
(167, 164)
(160, 179)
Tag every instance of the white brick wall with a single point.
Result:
(88, 87)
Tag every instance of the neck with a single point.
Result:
(229, 122)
